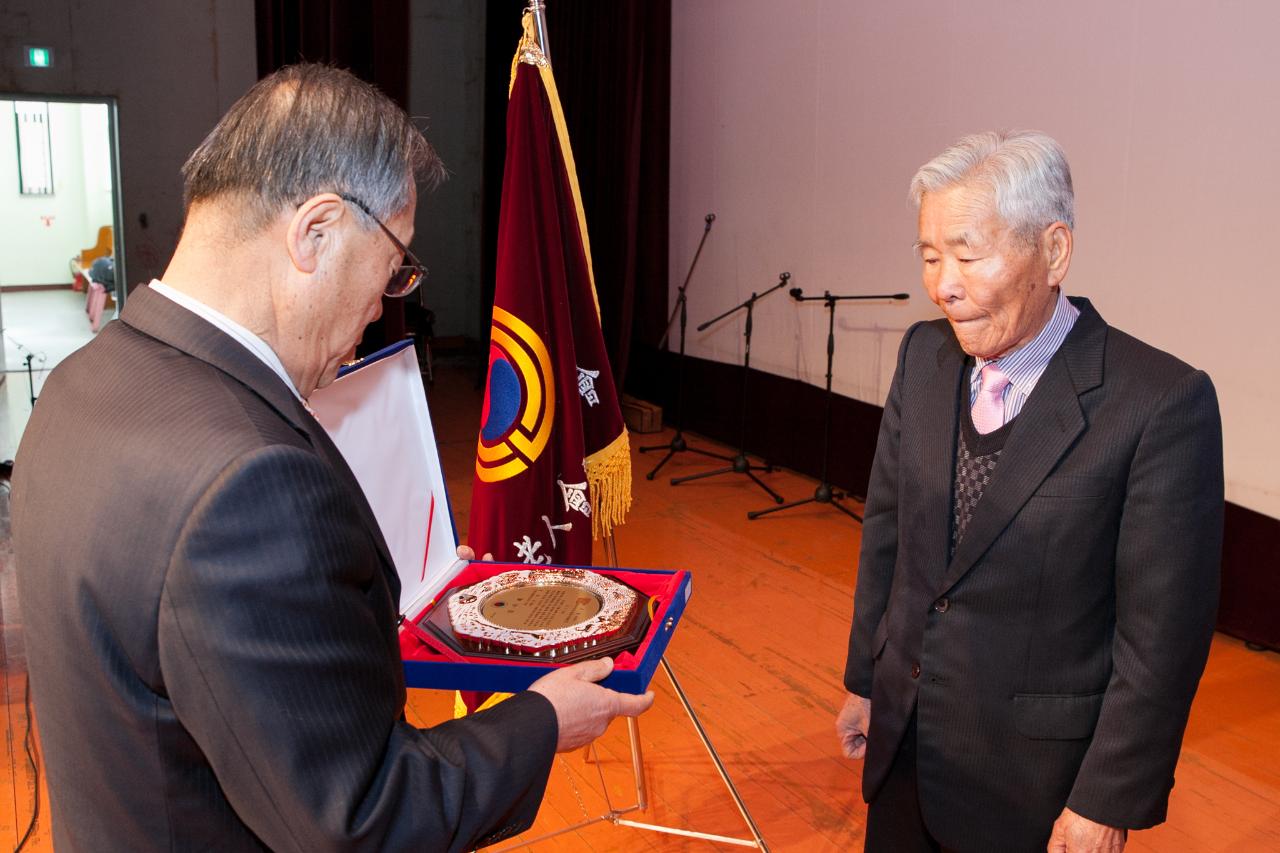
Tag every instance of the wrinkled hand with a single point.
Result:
(465, 553)
(1073, 833)
(584, 708)
(853, 724)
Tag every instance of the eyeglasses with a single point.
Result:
(406, 279)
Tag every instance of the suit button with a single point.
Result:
(915, 670)
(941, 604)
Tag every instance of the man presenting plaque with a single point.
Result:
(1039, 568)
(210, 608)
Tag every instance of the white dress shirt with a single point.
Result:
(246, 338)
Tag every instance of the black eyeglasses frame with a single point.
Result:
(399, 285)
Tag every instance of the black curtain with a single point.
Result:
(612, 65)
(368, 37)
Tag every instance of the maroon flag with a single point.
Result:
(553, 465)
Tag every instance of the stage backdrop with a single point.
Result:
(801, 131)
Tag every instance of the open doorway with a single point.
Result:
(61, 259)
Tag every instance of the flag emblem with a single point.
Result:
(519, 400)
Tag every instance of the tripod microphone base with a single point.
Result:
(739, 464)
(824, 494)
(676, 445)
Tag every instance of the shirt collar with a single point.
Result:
(1027, 363)
(243, 336)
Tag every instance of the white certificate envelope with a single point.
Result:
(376, 413)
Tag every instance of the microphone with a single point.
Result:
(709, 218)
(901, 296)
(796, 292)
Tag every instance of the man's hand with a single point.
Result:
(465, 553)
(1073, 833)
(853, 724)
(584, 708)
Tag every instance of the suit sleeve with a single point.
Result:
(276, 666)
(879, 538)
(1167, 574)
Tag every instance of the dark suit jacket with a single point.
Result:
(210, 619)
(1053, 660)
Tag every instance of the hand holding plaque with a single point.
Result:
(583, 708)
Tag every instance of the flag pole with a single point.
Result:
(539, 10)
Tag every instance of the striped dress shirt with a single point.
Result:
(1025, 365)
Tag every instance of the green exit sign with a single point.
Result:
(39, 57)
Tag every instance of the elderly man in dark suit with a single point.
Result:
(210, 609)
(1039, 569)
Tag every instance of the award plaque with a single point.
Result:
(472, 624)
(561, 615)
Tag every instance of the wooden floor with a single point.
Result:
(760, 654)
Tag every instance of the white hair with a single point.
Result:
(1026, 172)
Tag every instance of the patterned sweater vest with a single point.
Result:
(976, 459)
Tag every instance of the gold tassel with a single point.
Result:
(609, 485)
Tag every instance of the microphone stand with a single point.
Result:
(31, 378)
(824, 494)
(739, 463)
(678, 443)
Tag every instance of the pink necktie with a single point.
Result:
(988, 408)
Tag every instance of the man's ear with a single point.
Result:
(1057, 247)
(310, 231)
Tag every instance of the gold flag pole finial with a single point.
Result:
(539, 10)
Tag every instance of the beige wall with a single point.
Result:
(800, 126)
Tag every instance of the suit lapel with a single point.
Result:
(166, 321)
(936, 453)
(1043, 432)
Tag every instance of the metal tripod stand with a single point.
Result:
(678, 443)
(617, 816)
(740, 464)
(825, 494)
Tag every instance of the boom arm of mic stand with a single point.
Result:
(710, 218)
(827, 297)
(755, 297)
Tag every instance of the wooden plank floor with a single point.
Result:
(760, 653)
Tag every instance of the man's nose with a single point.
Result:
(950, 284)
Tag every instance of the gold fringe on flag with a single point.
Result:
(609, 485)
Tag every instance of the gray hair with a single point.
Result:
(309, 129)
(1025, 170)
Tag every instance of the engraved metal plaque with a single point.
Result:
(539, 607)
(560, 614)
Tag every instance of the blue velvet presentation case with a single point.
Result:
(376, 412)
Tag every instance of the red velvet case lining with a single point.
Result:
(660, 585)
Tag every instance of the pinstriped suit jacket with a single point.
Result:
(210, 617)
(1052, 661)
